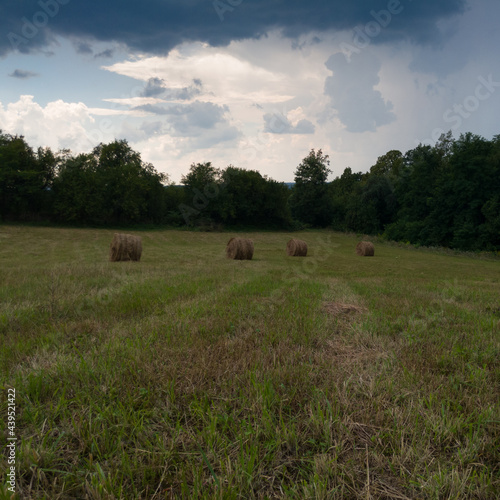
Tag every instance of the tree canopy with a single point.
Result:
(309, 201)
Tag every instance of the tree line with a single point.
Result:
(442, 195)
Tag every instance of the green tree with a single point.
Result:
(78, 194)
(202, 186)
(130, 184)
(375, 205)
(489, 231)
(310, 202)
(448, 194)
(465, 190)
(389, 164)
(343, 193)
(25, 178)
(111, 185)
(200, 176)
(174, 198)
(250, 199)
(414, 192)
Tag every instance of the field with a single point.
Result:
(189, 375)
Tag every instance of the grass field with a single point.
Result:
(189, 375)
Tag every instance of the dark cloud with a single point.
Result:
(108, 53)
(156, 26)
(157, 87)
(277, 123)
(200, 124)
(189, 120)
(22, 74)
(154, 88)
(184, 94)
(304, 127)
(83, 48)
(351, 89)
(296, 45)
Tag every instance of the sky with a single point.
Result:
(252, 83)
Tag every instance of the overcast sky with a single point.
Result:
(253, 83)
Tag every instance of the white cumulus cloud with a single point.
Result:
(58, 125)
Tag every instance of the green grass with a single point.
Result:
(188, 375)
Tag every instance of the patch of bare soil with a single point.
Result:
(340, 308)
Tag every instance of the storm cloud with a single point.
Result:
(189, 120)
(352, 93)
(157, 87)
(156, 26)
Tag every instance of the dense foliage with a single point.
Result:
(111, 185)
(447, 194)
(309, 201)
(25, 177)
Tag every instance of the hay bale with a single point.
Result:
(239, 249)
(125, 247)
(296, 248)
(365, 249)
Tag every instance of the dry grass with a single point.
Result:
(329, 377)
(338, 308)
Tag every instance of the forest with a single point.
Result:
(443, 195)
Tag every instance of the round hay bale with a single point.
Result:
(239, 249)
(296, 248)
(365, 249)
(125, 247)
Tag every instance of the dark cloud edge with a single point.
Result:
(158, 26)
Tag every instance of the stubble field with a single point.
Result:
(188, 375)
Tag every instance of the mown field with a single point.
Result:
(189, 375)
